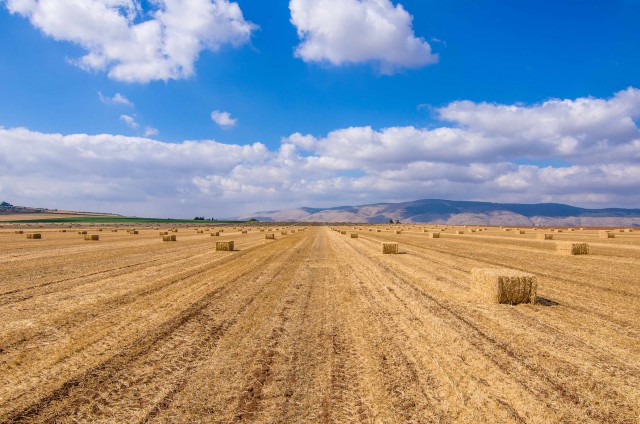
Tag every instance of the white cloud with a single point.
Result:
(150, 131)
(134, 44)
(130, 121)
(117, 99)
(479, 157)
(223, 119)
(358, 31)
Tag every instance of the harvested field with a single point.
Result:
(316, 327)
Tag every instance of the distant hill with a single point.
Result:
(460, 212)
(12, 212)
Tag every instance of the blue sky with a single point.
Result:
(480, 56)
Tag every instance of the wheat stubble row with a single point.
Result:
(318, 327)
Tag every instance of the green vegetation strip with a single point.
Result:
(113, 219)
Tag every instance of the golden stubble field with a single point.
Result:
(315, 326)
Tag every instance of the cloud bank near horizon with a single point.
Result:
(584, 151)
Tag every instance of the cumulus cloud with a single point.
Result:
(117, 99)
(478, 157)
(134, 43)
(223, 119)
(130, 121)
(150, 131)
(358, 31)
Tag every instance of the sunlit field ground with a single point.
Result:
(314, 326)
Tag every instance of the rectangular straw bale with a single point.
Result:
(390, 248)
(244, 231)
(520, 231)
(503, 286)
(215, 233)
(19, 232)
(34, 236)
(606, 234)
(434, 235)
(169, 237)
(544, 236)
(270, 236)
(354, 235)
(92, 237)
(629, 230)
(343, 232)
(573, 248)
(284, 233)
(398, 231)
(164, 233)
(378, 230)
(224, 246)
(82, 232)
(459, 232)
(114, 231)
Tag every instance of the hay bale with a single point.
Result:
(19, 232)
(215, 233)
(434, 235)
(284, 233)
(629, 230)
(378, 230)
(544, 236)
(34, 236)
(224, 246)
(572, 248)
(269, 236)
(459, 232)
(169, 238)
(398, 231)
(343, 232)
(164, 233)
(82, 232)
(293, 231)
(92, 237)
(390, 248)
(504, 286)
(606, 234)
(244, 231)
(114, 231)
(520, 231)
(354, 235)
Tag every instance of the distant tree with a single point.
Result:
(390, 221)
(398, 221)
(6, 204)
(199, 218)
(253, 220)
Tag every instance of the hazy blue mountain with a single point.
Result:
(460, 212)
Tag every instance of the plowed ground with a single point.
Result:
(314, 327)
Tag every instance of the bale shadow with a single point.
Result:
(545, 302)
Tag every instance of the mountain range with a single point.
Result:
(459, 212)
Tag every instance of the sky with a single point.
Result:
(219, 108)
